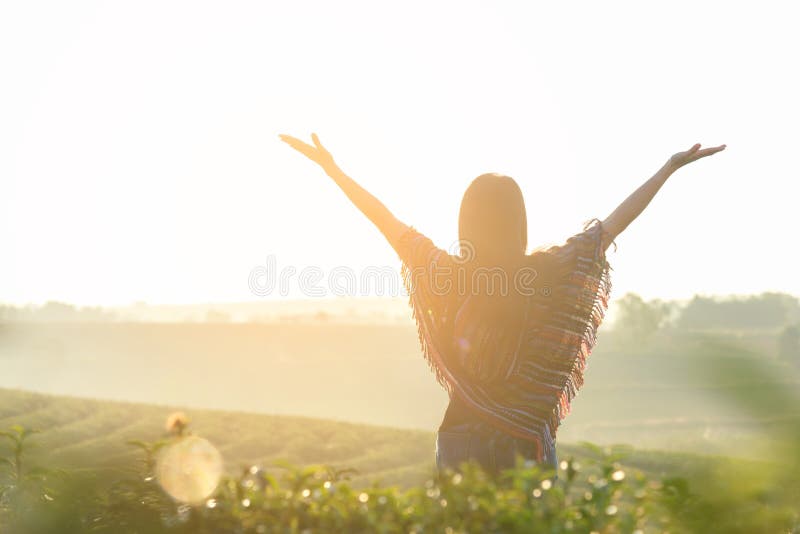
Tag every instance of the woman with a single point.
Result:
(507, 333)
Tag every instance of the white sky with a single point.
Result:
(139, 155)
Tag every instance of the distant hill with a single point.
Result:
(92, 434)
(765, 311)
(344, 309)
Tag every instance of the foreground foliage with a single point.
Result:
(602, 495)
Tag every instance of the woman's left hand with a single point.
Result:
(693, 154)
(316, 153)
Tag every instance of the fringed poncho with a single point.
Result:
(519, 380)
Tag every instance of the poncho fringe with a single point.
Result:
(548, 371)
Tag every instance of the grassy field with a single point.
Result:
(90, 434)
(86, 434)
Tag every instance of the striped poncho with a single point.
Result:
(520, 380)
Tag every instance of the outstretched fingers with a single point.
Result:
(316, 152)
(694, 153)
(294, 142)
(706, 152)
(711, 150)
(322, 150)
(301, 146)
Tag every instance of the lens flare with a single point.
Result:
(189, 469)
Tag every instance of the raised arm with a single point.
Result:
(633, 206)
(370, 206)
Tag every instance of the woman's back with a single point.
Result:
(511, 355)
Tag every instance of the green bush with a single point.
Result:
(598, 494)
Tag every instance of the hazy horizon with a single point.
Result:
(308, 302)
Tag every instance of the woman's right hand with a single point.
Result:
(317, 153)
(680, 159)
(370, 206)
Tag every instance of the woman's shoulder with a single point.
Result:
(416, 249)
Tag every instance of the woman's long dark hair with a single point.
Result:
(493, 234)
(492, 221)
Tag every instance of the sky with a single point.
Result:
(140, 159)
